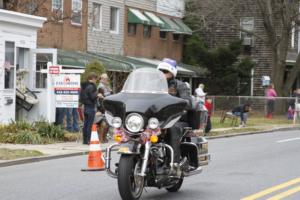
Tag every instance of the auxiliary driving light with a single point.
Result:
(154, 139)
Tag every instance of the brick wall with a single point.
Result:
(63, 34)
(221, 33)
(153, 47)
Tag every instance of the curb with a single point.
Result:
(44, 158)
(253, 132)
(38, 159)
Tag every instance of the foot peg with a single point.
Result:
(184, 164)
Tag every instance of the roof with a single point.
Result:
(21, 19)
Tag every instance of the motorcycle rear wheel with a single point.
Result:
(130, 185)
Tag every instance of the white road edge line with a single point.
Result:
(288, 140)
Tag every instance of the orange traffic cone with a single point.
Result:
(95, 158)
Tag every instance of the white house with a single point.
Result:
(18, 37)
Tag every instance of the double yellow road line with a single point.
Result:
(276, 188)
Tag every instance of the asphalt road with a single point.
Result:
(241, 166)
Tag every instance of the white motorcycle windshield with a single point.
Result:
(146, 80)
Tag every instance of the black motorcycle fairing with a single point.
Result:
(162, 106)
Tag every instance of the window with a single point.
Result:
(9, 65)
(97, 16)
(31, 7)
(147, 31)
(41, 65)
(57, 5)
(131, 29)
(163, 34)
(247, 23)
(176, 37)
(57, 9)
(293, 35)
(76, 11)
(114, 19)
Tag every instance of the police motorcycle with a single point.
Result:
(140, 115)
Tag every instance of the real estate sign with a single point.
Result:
(66, 88)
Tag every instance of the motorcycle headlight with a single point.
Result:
(134, 122)
(153, 123)
(116, 122)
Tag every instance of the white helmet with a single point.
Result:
(169, 65)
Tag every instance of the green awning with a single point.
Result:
(75, 59)
(118, 63)
(183, 71)
(170, 25)
(136, 17)
(184, 29)
(154, 20)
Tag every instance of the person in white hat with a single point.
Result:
(179, 89)
(200, 94)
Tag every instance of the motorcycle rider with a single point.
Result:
(178, 89)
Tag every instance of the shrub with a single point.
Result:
(95, 67)
(47, 130)
(71, 137)
(27, 137)
(26, 133)
(7, 137)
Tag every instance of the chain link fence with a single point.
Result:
(259, 104)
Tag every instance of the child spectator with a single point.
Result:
(209, 107)
(271, 94)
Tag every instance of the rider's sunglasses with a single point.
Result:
(164, 71)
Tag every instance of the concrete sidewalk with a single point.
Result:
(50, 151)
(60, 150)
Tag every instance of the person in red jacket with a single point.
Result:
(209, 107)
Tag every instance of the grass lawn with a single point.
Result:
(252, 121)
(9, 154)
(233, 130)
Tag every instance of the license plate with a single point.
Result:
(124, 150)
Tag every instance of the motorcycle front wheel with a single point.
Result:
(177, 186)
(130, 184)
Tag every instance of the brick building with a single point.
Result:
(153, 32)
(66, 25)
(220, 32)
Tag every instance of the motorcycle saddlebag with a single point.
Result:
(202, 144)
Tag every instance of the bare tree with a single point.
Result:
(278, 18)
(40, 8)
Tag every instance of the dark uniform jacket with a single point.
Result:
(88, 95)
(179, 89)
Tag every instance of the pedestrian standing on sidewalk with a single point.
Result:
(72, 120)
(89, 97)
(105, 90)
(200, 94)
(209, 107)
(271, 94)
